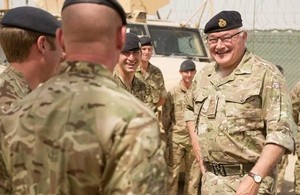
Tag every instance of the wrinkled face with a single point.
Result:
(129, 61)
(188, 76)
(147, 51)
(227, 47)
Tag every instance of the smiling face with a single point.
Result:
(227, 47)
(187, 76)
(147, 51)
(129, 61)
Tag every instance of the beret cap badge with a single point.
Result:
(222, 23)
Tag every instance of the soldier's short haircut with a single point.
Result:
(16, 43)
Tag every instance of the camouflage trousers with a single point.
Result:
(297, 164)
(281, 172)
(216, 184)
(297, 176)
(176, 155)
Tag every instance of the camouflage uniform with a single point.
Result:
(295, 95)
(155, 80)
(13, 87)
(79, 133)
(281, 172)
(236, 116)
(138, 88)
(179, 148)
(2, 65)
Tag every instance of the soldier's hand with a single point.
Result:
(247, 186)
(202, 168)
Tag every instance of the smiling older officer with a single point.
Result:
(238, 115)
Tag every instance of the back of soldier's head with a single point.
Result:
(91, 20)
(20, 29)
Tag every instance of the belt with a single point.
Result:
(228, 169)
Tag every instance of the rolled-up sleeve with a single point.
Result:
(277, 112)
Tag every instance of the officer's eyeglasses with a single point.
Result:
(225, 39)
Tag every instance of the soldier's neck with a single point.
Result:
(128, 79)
(144, 65)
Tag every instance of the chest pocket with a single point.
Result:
(199, 107)
(244, 103)
(179, 102)
(199, 101)
(243, 110)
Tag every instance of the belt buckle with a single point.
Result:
(218, 168)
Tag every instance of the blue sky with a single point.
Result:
(268, 14)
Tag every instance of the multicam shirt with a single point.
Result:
(13, 87)
(237, 115)
(295, 96)
(79, 133)
(154, 78)
(173, 115)
(138, 88)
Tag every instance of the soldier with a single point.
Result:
(27, 36)
(238, 114)
(153, 78)
(126, 67)
(150, 74)
(295, 95)
(79, 133)
(179, 148)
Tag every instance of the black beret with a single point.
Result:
(146, 40)
(187, 65)
(132, 42)
(110, 3)
(225, 20)
(31, 18)
(280, 68)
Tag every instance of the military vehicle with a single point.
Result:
(173, 42)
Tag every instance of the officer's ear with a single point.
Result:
(60, 39)
(121, 38)
(245, 35)
(41, 41)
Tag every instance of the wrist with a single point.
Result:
(256, 177)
